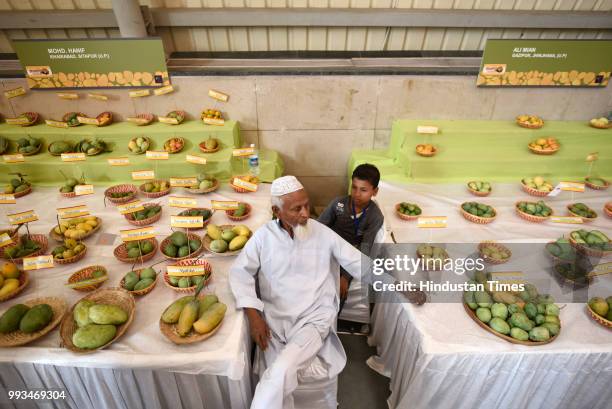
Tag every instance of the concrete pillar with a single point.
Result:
(129, 18)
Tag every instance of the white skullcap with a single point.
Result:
(285, 185)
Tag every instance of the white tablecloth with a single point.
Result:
(437, 357)
(142, 369)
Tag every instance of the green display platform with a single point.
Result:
(43, 168)
(488, 150)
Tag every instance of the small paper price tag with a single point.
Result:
(157, 155)
(167, 120)
(183, 202)
(99, 97)
(17, 121)
(140, 93)
(164, 90)
(14, 158)
(425, 222)
(183, 182)
(224, 204)
(186, 271)
(187, 222)
(219, 96)
(66, 95)
(7, 198)
(137, 234)
(214, 121)
(22, 217)
(243, 152)
(72, 212)
(427, 129)
(37, 263)
(599, 269)
(5, 240)
(143, 175)
(87, 121)
(198, 160)
(56, 124)
(566, 219)
(73, 157)
(571, 186)
(15, 92)
(124, 161)
(251, 187)
(131, 207)
(139, 121)
(82, 190)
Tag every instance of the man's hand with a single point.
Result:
(260, 332)
(416, 297)
(344, 286)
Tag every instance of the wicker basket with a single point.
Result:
(584, 219)
(68, 115)
(190, 262)
(608, 209)
(154, 195)
(169, 331)
(146, 119)
(120, 189)
(403, 216)
(24, 280)
(33, 121)
(121, 253)
(247, 213)
(543, 152)
(587, 250)
(207, 240)
(176, 150)
(182, 116)
(214, 187)
(596, 187)
(426, 155)
(40, 239)
(114, 296)
(23, 192)
(204, 150)
(34, 152)
(12, 233)
(601, 126)
(190, 255)
(205, 222)
(477, 219)
(533, 192)
(144, 222)
(108, 121)
(86, 274)
(17, 338)
(144, 291)
(60, 238)
(58, 154)
(77, 257)
(498, 247)
(476, 192)
(146, 138)
(528, 125)
(236, 188)
(598, 318)
(530, 217)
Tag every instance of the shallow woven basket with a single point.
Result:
(476, 192)
(114, 296)
(144, 291)
(598, 318)
(601, 126)
(204, 150)
(24, 280)
(176, 150)
(530, 126)
(183, 115)
(587, 250)
(34, 152)
(58, 154)
(530, 217)
(77, 257)
(14, 236)
(543, 152)
(426, 155)
(108, 121)
(169, 331)
(60, 238)
(499, 247)
(190, 262)
(23, 192)
(533, 192)
(16, 338)
(236, 188)
(32, 122)
(120, 253)
(596, 187)
(40, 239)
(154, 195)
(247, 213)
(86, 274)
(120, 189)
(148, 117)
(190, 255)
(214, 187)
(146, 138)
(144, 222)
(435, 264)
(584, 219)
(68, 114)
(403, 216)
(477, 219)
(207, 240)
(206, 221)
(608, 209)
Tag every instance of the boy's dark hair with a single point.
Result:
(368, 173)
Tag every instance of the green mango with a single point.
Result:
(520, 320)
(483, 314)
(142, 284)
(468, 298)
(93, 336)
(107, 314)
(228, 235)
(147, 247)
(218, 246)
(552, 328)
(194, 244)
(184, 282)
(499, 310)
(178, 238)
(539, 334)
(36, 318)
(131, 245)
(148, 273)
(172, 313)
(206, 302)
(9, 321)
(170, 250)
(531, 310)
(499, 325)
(552, 309)
(518, 333)
(174, 280)
(133, 253)
(483, 299)
(130, 280)
(183, 251)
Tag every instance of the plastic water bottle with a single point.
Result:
(254, 162)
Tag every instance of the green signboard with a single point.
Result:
(546, 63)
(93, 63)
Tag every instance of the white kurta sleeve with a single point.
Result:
(242, 276)
(348, 256)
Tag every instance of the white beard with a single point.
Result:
(301, 232)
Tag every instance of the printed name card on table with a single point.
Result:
(72, 212)
(82, 190)
(429, 222)
(157, 155)
(219, 96)
(67, 95)
(123, 161)
(566, 219)
(183, 182)
(137, 234)
(187, 222)
(56, 124)
(22, 217)
(73, 157)
(5, 240)
(15, 92)
(243, 152)
(214, 121)
(131, 207)
(87, 121)
(136, 120)
(7, 198)
(183, 202)
(167, 120)
(224, 204)
(37, 263)
(251, 187)
(427, 129)
(13, 158)
(164, 90)
(99, 97)
(186, 271)
(571, 186)
(22, 120)
(140, 93)
(198, 160)
(601, 269)
(143, 175)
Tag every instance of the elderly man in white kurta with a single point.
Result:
(292, 318)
